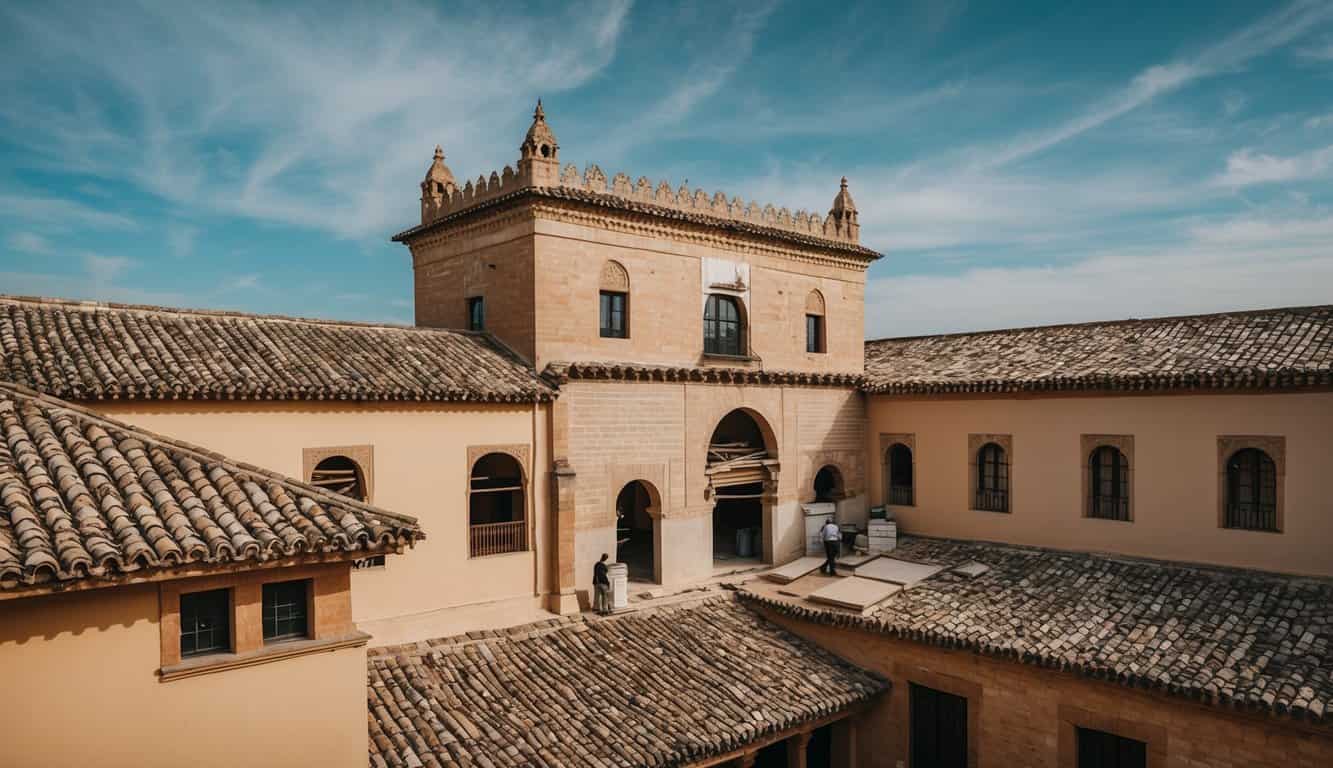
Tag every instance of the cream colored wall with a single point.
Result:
(421, 469)
(1175, 473)
(80, 672)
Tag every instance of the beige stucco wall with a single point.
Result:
(420, 469)
(79, 670)
(1175, 473)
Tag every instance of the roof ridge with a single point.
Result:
(1093, 323)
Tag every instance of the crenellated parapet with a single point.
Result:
(539, 167)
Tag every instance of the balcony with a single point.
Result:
(498, 538)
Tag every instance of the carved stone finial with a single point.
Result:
(843, 215)
(539, 155)
(540, 114)
(437, 188)
(439, 152)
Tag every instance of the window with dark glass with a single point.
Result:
(476, 313)
(1251, 491)
(205, 622)
(723, 330)
(938, 736)
(814, 333)
(992, 479)
(900, 475)
(1099, 749)
(1108, 487)
(286, 610)
(613, 315)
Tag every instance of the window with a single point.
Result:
(1098, 749)
(1251, 491)
(1108, 485)
(286, 610)
(814, 333)
(938, 728)
(900, 475)
(205, 622)
(992, 473)
(724, 333)
(476, 313)
(495, 506)
(828, 484)
(341, 475)
(613, 315)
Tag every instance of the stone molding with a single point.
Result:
(1276, 448)
(521, 452)
(361, 455)
(564, 372)
(814, 303)
(1090, 443)
(614, 277)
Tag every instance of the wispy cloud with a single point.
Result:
(1247, 167)
(37, 208)
(29, 242)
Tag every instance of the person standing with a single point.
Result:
(601, 584)
(832, 538)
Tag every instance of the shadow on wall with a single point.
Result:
(75, 613)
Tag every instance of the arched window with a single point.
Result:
(495, 506)
(815, 339)
(992, 479)
(614, 301)
(724, 329)
(1108, 484)
(1251, 491)
(340, 475)
(828, 484)
(900, 480)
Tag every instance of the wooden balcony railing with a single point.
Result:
(499, 538)
(1252, 517)
(992, 501)
(900, 495)
(1108, 507)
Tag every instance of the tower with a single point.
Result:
(539, 156)
(437, 187)
(843, 215)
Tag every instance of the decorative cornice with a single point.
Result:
(563, 372)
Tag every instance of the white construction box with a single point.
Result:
(815, 515)
(618, 574)
(882, 536)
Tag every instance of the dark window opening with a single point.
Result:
(1251, 491)
(1098, 749)
(828, 484)
(938, 728)
(814, 333)
(495, 506)
(724, 333)
(613, 315)
(1108, 486)
(476, 313)
(205, 622)
(900, 475)
(340, 475)
(286, 610)
(992, 479)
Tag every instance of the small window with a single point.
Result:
(476, 313)
(614, 318)
(992, 479)
(341, 475)
(1108, 485)
(814, 333)
(724, 333)
(286, 610)
(1099, 749)
(900, 481)
(1251, 491)
(938, 728)
(205, 622)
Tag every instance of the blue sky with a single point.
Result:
(1063, 162)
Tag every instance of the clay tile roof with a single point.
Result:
(88, 351)
(86, 500)
(562, 372)
(1266, 349)
(1230, 638)
(659, 687)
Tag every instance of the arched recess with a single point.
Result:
(816, 332)
(742, 471)
(828, 484)
(342, 475)
(638, 530)
(497, 495)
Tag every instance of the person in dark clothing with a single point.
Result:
(832, 541)
(601, 586)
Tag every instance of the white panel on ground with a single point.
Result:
(897, 571)
(794, 570)
(853, 561)
(972, 569)
(856, 594)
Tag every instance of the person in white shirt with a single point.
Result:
(832, 538)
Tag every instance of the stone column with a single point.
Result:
(796, 749)
(563, 599)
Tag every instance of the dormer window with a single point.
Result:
(724, 330)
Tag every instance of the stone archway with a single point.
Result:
(639, 531)
(742, 484)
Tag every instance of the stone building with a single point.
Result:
(1114, 549)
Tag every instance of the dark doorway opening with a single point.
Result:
(938, 728)
(819, 752)
(828, 484)
(739, 466)
(634, 532)
(738, 519)
(772, 756)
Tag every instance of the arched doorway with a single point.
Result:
(741, 472)
(636, 530)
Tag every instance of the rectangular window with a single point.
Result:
(814, 333)
(1098, 749)
(205, 622)
(613, 315)
(286, 609)
(938, 728)
(476, 314)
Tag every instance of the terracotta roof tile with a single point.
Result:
(86, 351)
(86, 499)
(561, 372)
(1268, 349)
(659, 687)
(1226, 637)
